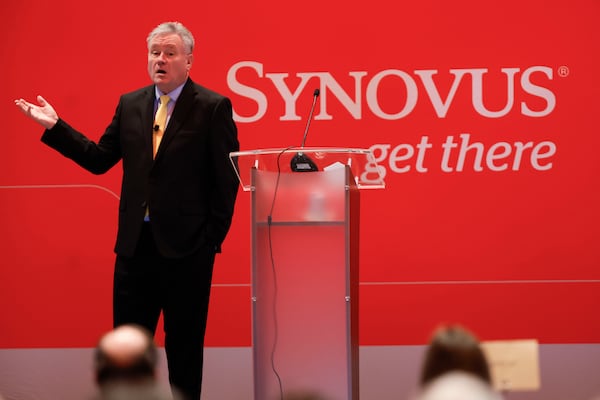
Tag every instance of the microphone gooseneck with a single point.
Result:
(301, 162)
(316, 94)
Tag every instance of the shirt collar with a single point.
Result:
(173, 94)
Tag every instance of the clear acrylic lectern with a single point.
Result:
(305, 234)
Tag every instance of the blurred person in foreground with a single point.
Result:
(125, 365)
(458, 385)
(454, 348)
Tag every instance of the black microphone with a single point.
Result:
(301, 162)
(156, 128)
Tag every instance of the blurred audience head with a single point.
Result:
(126, 354)
(458, 385)
(140, 391)
(454, 348)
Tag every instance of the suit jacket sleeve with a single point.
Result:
(97, 158)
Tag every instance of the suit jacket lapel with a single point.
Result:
(147, 119)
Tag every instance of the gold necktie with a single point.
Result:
(160, 121)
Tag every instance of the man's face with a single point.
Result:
(168, 61)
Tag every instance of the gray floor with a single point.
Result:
(568, 372)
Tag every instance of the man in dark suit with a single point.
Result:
(177, 196)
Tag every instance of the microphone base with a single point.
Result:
(303, 163)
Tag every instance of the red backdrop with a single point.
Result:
(483, 116)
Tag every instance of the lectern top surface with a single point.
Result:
(367, 174)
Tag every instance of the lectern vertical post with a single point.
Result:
(305, 244)
(304, 283)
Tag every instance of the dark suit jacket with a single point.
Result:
(191, 185)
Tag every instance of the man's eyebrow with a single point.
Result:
(166, 46)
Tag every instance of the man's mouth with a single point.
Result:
(161, 71)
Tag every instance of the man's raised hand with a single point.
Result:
(43, 113)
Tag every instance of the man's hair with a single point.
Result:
(173, 27)
(134, 364)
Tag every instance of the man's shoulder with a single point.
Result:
(138, 94)
(205, 92)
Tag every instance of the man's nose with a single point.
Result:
(161, 57)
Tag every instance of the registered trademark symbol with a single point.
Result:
(563, 71)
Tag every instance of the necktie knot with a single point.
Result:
(164, 99)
